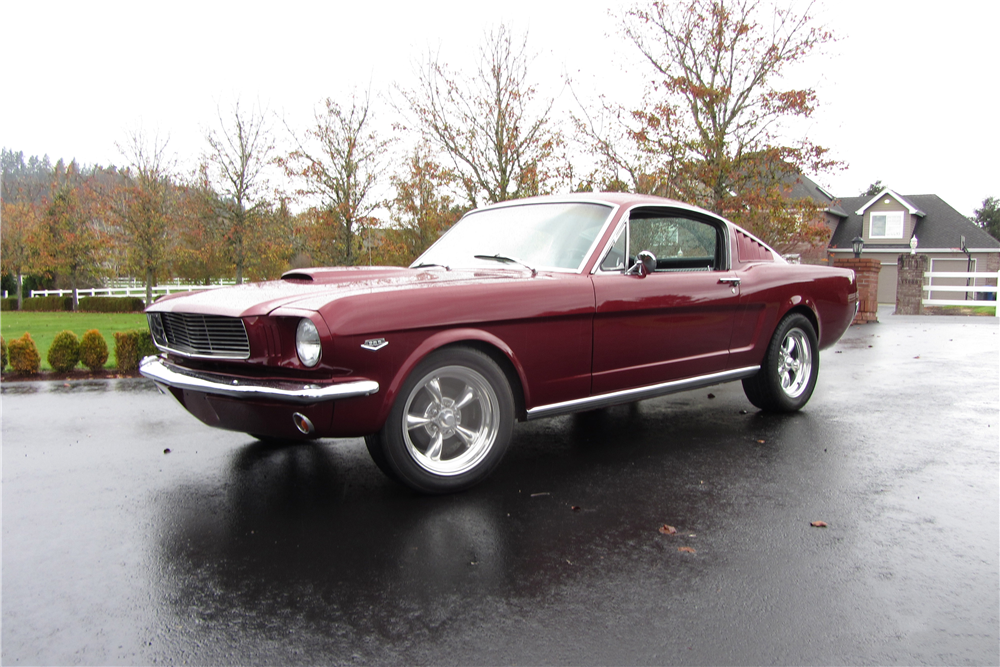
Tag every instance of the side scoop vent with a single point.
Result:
(292, 275)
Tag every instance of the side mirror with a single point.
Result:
(645, 263)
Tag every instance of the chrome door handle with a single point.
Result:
(731, 281)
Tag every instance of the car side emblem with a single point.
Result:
(374, 344)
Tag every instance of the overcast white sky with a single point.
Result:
(908, 94)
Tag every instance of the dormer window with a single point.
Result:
(888, 225)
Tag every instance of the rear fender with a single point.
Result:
(802, 304)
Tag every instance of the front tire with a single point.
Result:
(450, 425)
(788, 375)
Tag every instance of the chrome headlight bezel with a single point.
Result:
(308, 345)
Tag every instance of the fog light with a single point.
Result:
(302, 423)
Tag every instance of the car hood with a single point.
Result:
(310, 289)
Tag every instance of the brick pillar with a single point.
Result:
(866, 271)
(910, 283)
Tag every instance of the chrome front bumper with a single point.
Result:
(162, 372)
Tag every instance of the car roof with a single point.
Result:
(618, 199)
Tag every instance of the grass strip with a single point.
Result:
(43, 327)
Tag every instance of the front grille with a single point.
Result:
(200, 335)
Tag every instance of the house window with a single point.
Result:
(887, 225)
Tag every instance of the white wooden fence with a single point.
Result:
(122, 291)
(963, 289)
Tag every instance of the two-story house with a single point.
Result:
(889, 223)
(892, 224)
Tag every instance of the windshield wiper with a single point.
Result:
(424, 265)
(503, 259)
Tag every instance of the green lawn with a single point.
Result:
(43, 327)
(970, 310)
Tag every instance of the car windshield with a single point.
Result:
(537, 236)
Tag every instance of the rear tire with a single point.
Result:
(450, 425)
(787, 378)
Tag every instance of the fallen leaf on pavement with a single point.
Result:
(711, 395)
(576, 508)
(668, 530)
(687, 550)
(818, 524)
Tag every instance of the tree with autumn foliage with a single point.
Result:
(241, 150)
(421, 211)
(144, 204)
(197, 251)
(631, 153)
(716, 113)
(74, 238)
(21, 241)
(490, 123)
(339, 163)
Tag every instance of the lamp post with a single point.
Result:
(858, 244)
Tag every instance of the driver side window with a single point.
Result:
(679, 244)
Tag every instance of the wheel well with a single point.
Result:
(505, 364)
(809, 315)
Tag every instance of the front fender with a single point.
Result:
(444, 339)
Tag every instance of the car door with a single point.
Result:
(672, 322)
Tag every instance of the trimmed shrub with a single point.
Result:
(3, 354)
(64, 353)
(146, 345)
(111, 304)
(10, 303)
(131, 346)
(48, 304)
(24, 357)
(93, 350)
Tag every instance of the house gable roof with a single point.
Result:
(902, 200)
(802, 187)
(940, 226)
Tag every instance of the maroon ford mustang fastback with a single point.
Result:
(525, 309)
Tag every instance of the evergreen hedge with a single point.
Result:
(111, 304)
(3, 354)
(87, 304)
(47, 304)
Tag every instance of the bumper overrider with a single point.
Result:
(165, 373)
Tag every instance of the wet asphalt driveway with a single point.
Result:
(227, 551)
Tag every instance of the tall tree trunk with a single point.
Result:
(20, 289)
(149, 286)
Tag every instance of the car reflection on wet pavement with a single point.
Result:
(226, 550)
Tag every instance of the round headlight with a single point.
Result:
(307, 343)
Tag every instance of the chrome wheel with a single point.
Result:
(795, 363)
(451, 420)
(788, 372)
